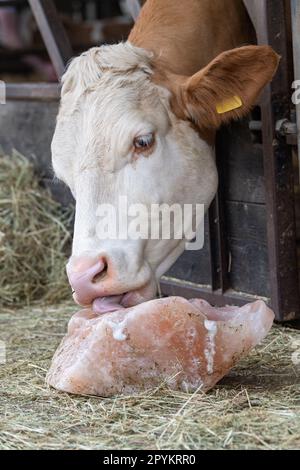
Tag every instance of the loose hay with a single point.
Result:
(256, 406)
(34, 237)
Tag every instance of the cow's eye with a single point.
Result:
(144, 142)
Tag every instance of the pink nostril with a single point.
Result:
(84, 264)
(83, 274)
(100, 275)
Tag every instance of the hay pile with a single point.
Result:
(256, 406)
(34, 237)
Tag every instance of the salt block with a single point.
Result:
(188, 345)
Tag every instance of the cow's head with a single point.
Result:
(127, 126)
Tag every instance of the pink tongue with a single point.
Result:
(107, 304)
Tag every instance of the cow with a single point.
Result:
(139, 119)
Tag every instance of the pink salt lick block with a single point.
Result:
(188, 345)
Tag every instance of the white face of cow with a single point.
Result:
(116, 135)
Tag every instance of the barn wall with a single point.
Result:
(241, 176)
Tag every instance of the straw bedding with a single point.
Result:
(34, 237)
(256, 406)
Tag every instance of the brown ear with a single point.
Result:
(233, 80)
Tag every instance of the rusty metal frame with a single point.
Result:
(53, 33)
(270, 18)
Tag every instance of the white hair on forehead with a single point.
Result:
(119, 59)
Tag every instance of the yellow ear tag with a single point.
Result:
(229, 105)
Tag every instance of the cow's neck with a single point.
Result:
(188, 34)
